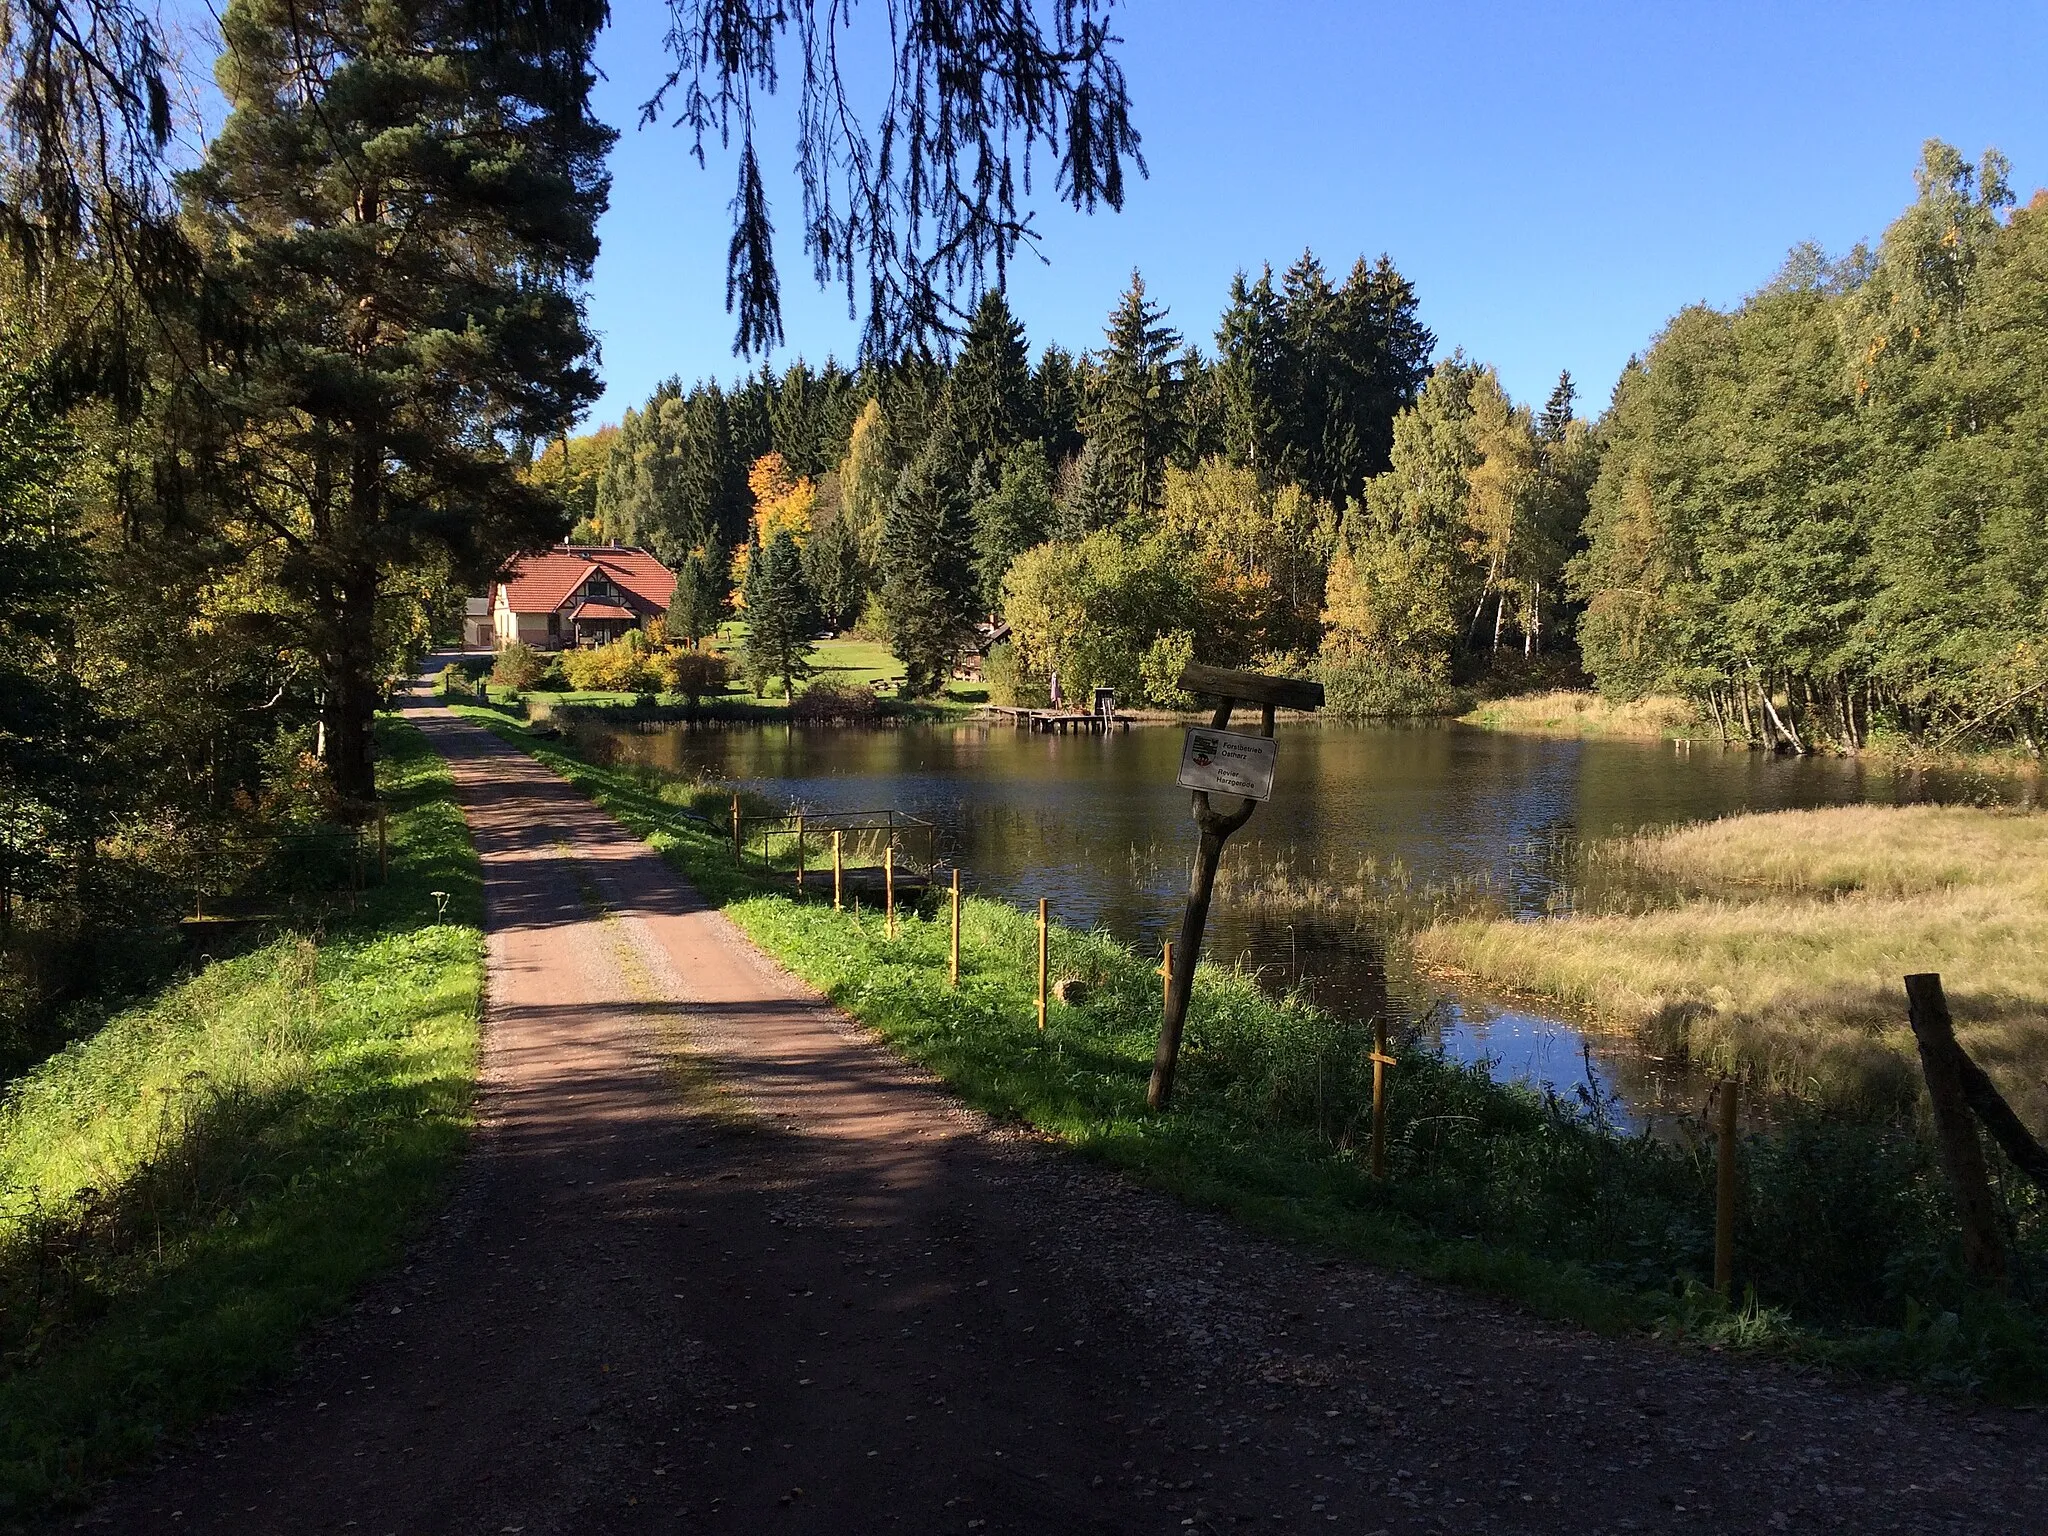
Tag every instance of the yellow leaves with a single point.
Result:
(781, 504)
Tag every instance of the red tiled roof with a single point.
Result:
(542, 583)
(602, 611)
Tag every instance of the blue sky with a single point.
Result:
(1556, 180)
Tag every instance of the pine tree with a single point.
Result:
(780, 615)
(928, 594)
(405, 229)
(1137, 406)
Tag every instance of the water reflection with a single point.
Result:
(1096, 826)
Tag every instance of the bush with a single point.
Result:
(518, 667)
(693, 674)
(1370, 689)
(1009, 682)
(848, 703)
(621, 667)
(1161, 667)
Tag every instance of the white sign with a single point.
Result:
(1228, 762)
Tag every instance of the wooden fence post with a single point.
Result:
(1962, 1154)
(955, 968)
(889, 883)
(1041, 961)
(1165, 977)
(1381, 1060)
(736, 845)
(1724, 1188)
(383, 849)
(837, 868)
(799, 853)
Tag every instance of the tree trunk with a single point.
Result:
(351, 706)
(1776, 724)
(1748, 726)
(1500, 608)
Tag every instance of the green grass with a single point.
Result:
(187, 1187)
(1844, 1231)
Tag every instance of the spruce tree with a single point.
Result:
(1056, 386)
(1556, 419)
(1137, 406)
(780, 614)
(1253, 357)
(928, 587)
(994, 406)
(405, 225)
(1014, 515)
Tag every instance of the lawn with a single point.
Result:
(189, 1185)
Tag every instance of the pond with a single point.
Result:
(1095, 825)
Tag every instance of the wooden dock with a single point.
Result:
(1059, 720)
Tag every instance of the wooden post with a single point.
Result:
(955, 965)
(1229, 688)
(838, 870)
(1955, 1133)
(1041, 961)
(383, 849)
(1724, 1188)
(736, 845)
(889, 883)
(1381, 1060)
(1166, 978)
(799, 853)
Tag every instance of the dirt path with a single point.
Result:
(825, 1299)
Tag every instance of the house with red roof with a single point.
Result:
(578, 594)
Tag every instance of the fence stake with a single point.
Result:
(1962, 1154)
(1724, 1189)
(889, 883)
(837, 869)
(1041, 962)
(956, 928)
(736, 860)
(1381, 1060)
(799, 853)
(1166, 978)
(383, 853)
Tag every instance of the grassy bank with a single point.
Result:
(1784, 959)
(1844, 1230)
(1575, 712)
(185, 1188)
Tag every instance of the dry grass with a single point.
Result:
(1787, 965)
(1876, 849)
(1571, 712)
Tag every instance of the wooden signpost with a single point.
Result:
(1222, 761)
